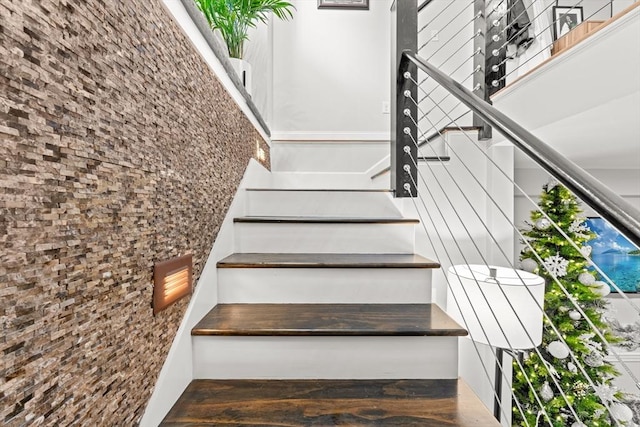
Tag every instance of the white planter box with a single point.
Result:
(243, 70)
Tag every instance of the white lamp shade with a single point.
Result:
(511, 295)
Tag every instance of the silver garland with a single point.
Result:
(630, 334)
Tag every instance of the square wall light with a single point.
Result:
(172, 280)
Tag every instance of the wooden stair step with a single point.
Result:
(312, 260)
(427, 403)
(328, 320)
(322, 220)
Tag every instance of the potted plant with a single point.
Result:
(233, 18)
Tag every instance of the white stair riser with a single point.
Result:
(319, 180)
(324, 238)
(317, 357)
(321, 204)
(324, 285)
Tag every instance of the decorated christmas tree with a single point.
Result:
(558, 257)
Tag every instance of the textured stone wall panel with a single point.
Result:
(118, 148)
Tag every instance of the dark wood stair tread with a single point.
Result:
(299, 260)
(323, 220)
(426, 403)
(328, 320)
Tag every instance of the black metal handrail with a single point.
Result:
(617, 211)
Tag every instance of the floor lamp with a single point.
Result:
(500, 307)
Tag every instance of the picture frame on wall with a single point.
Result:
(343, 4)
(615, 255)
(565, 19)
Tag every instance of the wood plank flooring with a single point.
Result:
(426, 403)
(328, 319)
(300, 260)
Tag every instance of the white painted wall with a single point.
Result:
(258, 51)
(445, 41)
(597, 9)
(331, 73)
(327, 156)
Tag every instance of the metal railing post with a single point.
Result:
(482, 60)
(496, 51)
(404, 33)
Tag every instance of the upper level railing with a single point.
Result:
(621, 214)
(577, 351)
(616, 210)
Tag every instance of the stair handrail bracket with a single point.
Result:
(604, 201)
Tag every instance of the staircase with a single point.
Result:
(324, 317)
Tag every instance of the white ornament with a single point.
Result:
(572, 368)
(529, 265)
(578, 424)
(586, 278)
(558, 350)
(594, 359)
(556, 265)
(605, 392)
(603, 290)
(597, 284)
(586, 251)
(621, 412)
(575, 315)
(543, 224)
(546, 392)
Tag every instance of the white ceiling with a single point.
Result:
(585, 102)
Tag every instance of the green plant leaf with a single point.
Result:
(233, 18)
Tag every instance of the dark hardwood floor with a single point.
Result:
(427, 403)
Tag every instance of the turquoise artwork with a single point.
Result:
(615, 255)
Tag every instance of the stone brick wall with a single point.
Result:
(118, 148)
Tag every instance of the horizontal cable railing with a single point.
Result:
(567, 372)
(617, 211)
(541, 26)
(428, 205)
(563, 375)
(518, 36)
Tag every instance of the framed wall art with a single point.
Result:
(565, 19)
(343, 4)
(615, 255)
